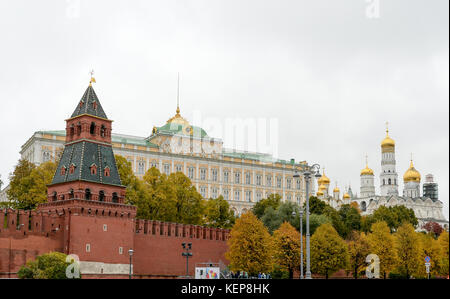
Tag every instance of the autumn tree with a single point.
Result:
(429, 246)
(443, 243)
(328, 251)
(273, 218)
(407, 245)
(250, 246)
(433, 228)
(287, 248)
(273, 201)
(382, 244)
(218, 213)
(358, 250)
(28, 184)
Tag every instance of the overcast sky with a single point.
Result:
(331, 72)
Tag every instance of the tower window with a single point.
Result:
(115, 198)
(70, 193)
(87, 194)
(92, 129)
(63, 170)
(72, 130)
(103, 131)
(101, 195)
(93, 169)
(389, 181)
(79, 128)
(94, 105)
(55, 196)
(72, 168)
(107, 171)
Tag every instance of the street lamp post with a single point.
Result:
(301, 240)
(130, 252)
(187, 254)
(313, 170)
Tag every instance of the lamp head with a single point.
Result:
(130, 251)
(296, 174)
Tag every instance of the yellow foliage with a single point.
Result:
(407, 245)
(381, 243)
(250, 247)
(287, 247)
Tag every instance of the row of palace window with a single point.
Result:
(237, 195)
(87, 195)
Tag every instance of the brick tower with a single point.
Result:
(86, 199)
(87, 169)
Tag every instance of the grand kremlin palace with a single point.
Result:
(242, 178)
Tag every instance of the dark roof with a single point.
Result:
(83, 155)
(86, 105)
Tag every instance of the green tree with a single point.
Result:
(350, 218)
(47, 266)
(28, 184)
(287, 248)
(190, 205)
(134, 187)
(328, 251)
(316, 205)
(315, 221)
(250, 246)
(218, 213)
(382, 244)
(395, 216)
(358, 249)
(407, 245)
(273, 218)
(273, 200)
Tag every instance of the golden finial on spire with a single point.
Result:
(178, 95)
(92, 78)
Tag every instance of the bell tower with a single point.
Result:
(87, 169)
(388, 176)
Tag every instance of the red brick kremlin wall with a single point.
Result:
(67, 226)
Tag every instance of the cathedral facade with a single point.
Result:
(426, 206)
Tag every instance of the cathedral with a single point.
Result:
(426, 207)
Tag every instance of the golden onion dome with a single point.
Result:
(388, 144)
(319, 193)
(322, 187)
(411, 175)
(367, 171)
(336, 189)
(324, 179)
(346, 195)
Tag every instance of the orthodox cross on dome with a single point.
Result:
(367, 160)
(387, 127)
(92, 78)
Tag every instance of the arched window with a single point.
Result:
(63, 170)
(72, 130)
(389, 181)
(61, 196)
(93, 169)
(55, 196)
(107, 171)
(115, 198)
(92, 129)
(101, 195)
(395, 181)
(78, 128)
(103, 131)
(363, 206)
(70, 193)
(384, 183)
(87, 194)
